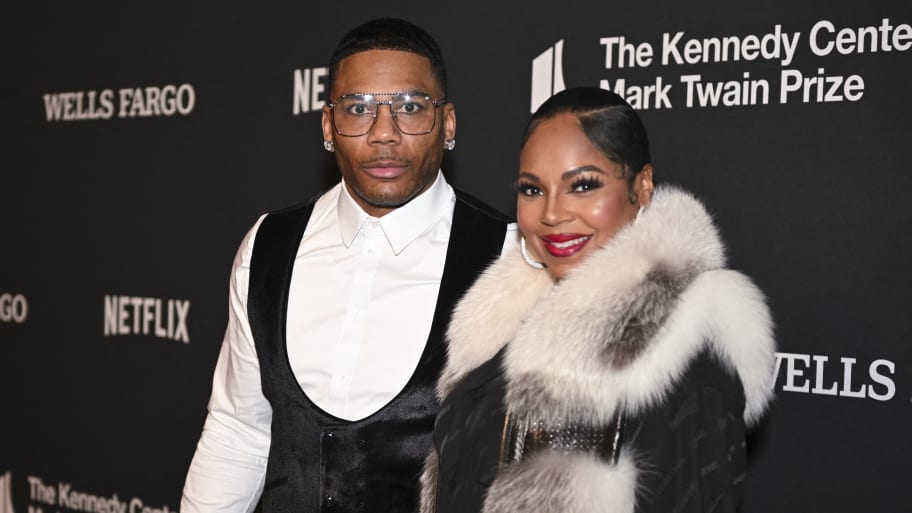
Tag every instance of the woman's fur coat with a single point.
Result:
(616, 334)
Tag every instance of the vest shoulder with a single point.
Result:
(290, 217)
(475, 205)
(295, 209)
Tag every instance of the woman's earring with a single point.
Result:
(450, 144)
(328, 146)
(639, 213)
(525, 254)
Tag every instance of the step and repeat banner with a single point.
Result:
(144, 140)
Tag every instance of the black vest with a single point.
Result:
(318, 462)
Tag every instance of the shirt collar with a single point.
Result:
(404, 224)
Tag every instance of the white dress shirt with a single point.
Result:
(361, 303)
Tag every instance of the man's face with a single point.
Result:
(384, 168)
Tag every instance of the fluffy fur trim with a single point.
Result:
(618, 330)
(428, 481)
(489, 315)
(549, 482)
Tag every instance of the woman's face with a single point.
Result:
(572, 198)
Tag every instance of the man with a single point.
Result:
(323, 395)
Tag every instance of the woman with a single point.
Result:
(614, 363)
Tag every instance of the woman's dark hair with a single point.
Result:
(608, 121)
(389, 34)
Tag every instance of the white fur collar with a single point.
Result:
(621, 328)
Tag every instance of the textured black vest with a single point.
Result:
(318, 462)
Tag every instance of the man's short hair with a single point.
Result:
(389, 34)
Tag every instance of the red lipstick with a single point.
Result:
(564, 244)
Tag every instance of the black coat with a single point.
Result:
(650, 331)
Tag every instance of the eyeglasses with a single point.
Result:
(414, 113)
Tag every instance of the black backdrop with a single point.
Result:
(122, 226)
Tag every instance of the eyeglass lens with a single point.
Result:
(355, 114)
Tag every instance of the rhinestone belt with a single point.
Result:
(523, 437)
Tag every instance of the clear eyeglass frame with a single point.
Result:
(356, 124)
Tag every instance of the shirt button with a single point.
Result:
(361, 505)
(329, 501)
(362, 443)
(329, 435)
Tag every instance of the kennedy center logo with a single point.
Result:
(6, 493)
(547, 74)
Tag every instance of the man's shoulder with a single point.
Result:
(290, 221)
(472, 205)
(303, 209)
(299, 207)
